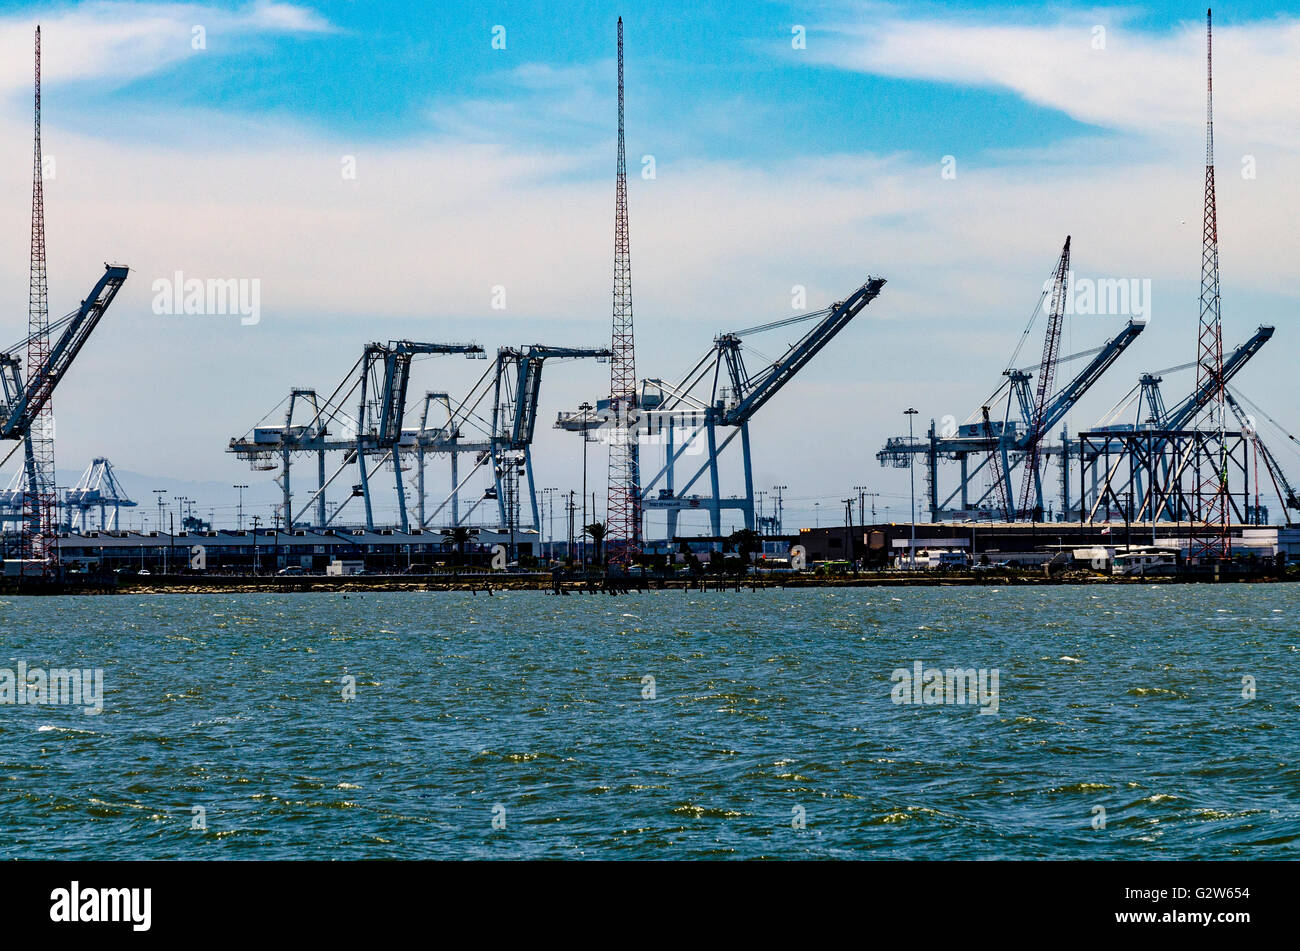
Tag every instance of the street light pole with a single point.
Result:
(239, 522)
(584, 408)
(911, 476)
(158, 495)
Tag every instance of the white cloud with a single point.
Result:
(118, 42)
(1152, 84)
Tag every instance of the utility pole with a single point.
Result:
(257, 520)
(548, 495)
(780, 508)
(162, 524)
(586, 438)
(568, 551)
(239, 523)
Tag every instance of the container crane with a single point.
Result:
(505, 431)
(381, 377)
(25, 397)
(97, 488)
(1003, 444)
(1032, 506)
(719, 391)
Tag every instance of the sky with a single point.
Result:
(383, 169)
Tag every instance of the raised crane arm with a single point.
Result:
(1032, 481)
(1182, 414)
(27, 400)
(528, 363)
(1073, 391)
(396, 360)
(1285, 493)
(753, 391)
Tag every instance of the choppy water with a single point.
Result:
(1126, 698)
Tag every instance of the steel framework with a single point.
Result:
(495, 423)
(39, 495)
(97, 488)
(1210, 540)
(1159, 475)
(623, 529)
(720, 392)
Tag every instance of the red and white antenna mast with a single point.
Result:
(1209, 540)
(623, 528)
(39, 499)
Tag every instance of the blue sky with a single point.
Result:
(775, 166)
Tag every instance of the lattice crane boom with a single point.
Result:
(1031, 485)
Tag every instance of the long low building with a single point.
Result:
(1025, 542)
(270, 549)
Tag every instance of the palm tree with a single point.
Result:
(461, 536)
(596, 530)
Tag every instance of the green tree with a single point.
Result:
(747, 541)
(596, 532)
(461, 536)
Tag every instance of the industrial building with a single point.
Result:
(1027, 544)
(267, 550)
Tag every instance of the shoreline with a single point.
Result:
(489, 584)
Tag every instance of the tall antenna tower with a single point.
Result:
(623, 529)
(1209, 539)
(39, 493)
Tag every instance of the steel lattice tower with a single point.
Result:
(39, 494)
(623, 528)
(1209, 539)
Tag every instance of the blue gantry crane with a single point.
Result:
(719, 392)
(24, 398)
(97, 488)
(498, 436)
(495, 422)
(1019, 438)
(1146, 404)
(26, 391)
(381, 377)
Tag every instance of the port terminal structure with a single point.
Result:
(989, 452)
(709, 408)
(494, 423)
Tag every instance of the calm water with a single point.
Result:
(1126, 698)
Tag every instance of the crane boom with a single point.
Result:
(1181, 415)
(1073, 391)
(528, 363)
(995, 463)
(1032, 480)
(1285, 493)
(30, 397)
(753, 391)
(396, 359)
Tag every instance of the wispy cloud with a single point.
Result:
(119, 42)
(1097, 70)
